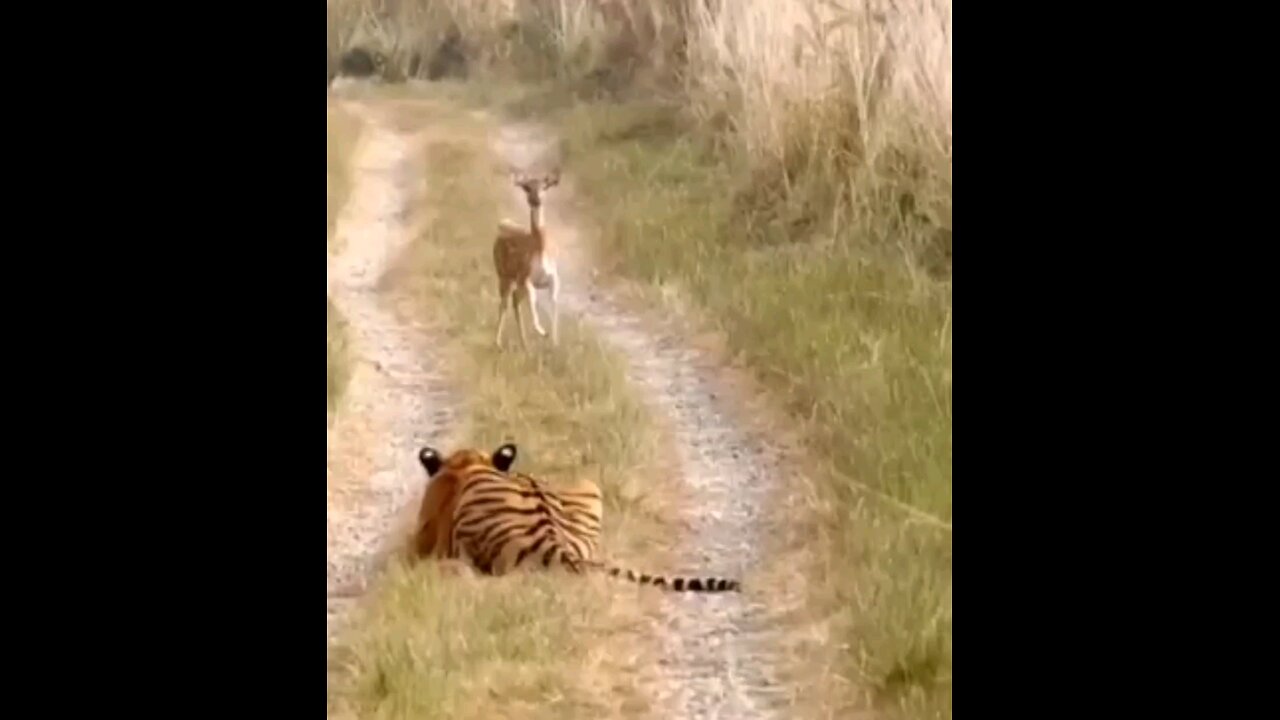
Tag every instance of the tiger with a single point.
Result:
(474, 507)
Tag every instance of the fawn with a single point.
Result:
(525, 262)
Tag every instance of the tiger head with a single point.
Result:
(447, 477)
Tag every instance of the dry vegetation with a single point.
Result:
(523, 648)
(787, 166)
(336, 370)
(342, 131)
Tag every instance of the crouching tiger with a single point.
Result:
(475, 508)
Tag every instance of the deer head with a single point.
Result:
(533, 187)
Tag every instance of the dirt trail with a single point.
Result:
(720, 656)
(396, 397)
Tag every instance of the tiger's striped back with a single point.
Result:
(580, 509)
(502, 521)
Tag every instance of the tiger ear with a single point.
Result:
(430, 460)
(504, 457)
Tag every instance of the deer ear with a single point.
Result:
(551, 180)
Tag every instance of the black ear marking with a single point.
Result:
(430, 460)
(504, 457)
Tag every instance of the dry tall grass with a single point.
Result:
(842, 111)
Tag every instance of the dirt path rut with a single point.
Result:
(397, 394)
(719, 656)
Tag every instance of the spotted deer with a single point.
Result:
(525, 262)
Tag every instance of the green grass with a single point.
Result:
(525, 646)
(848, 334)
(439, 646)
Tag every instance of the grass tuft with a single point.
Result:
(435, 645)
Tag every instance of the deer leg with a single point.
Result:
(517, 298)
(533, 307)
(504, 296)
(555, 312)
